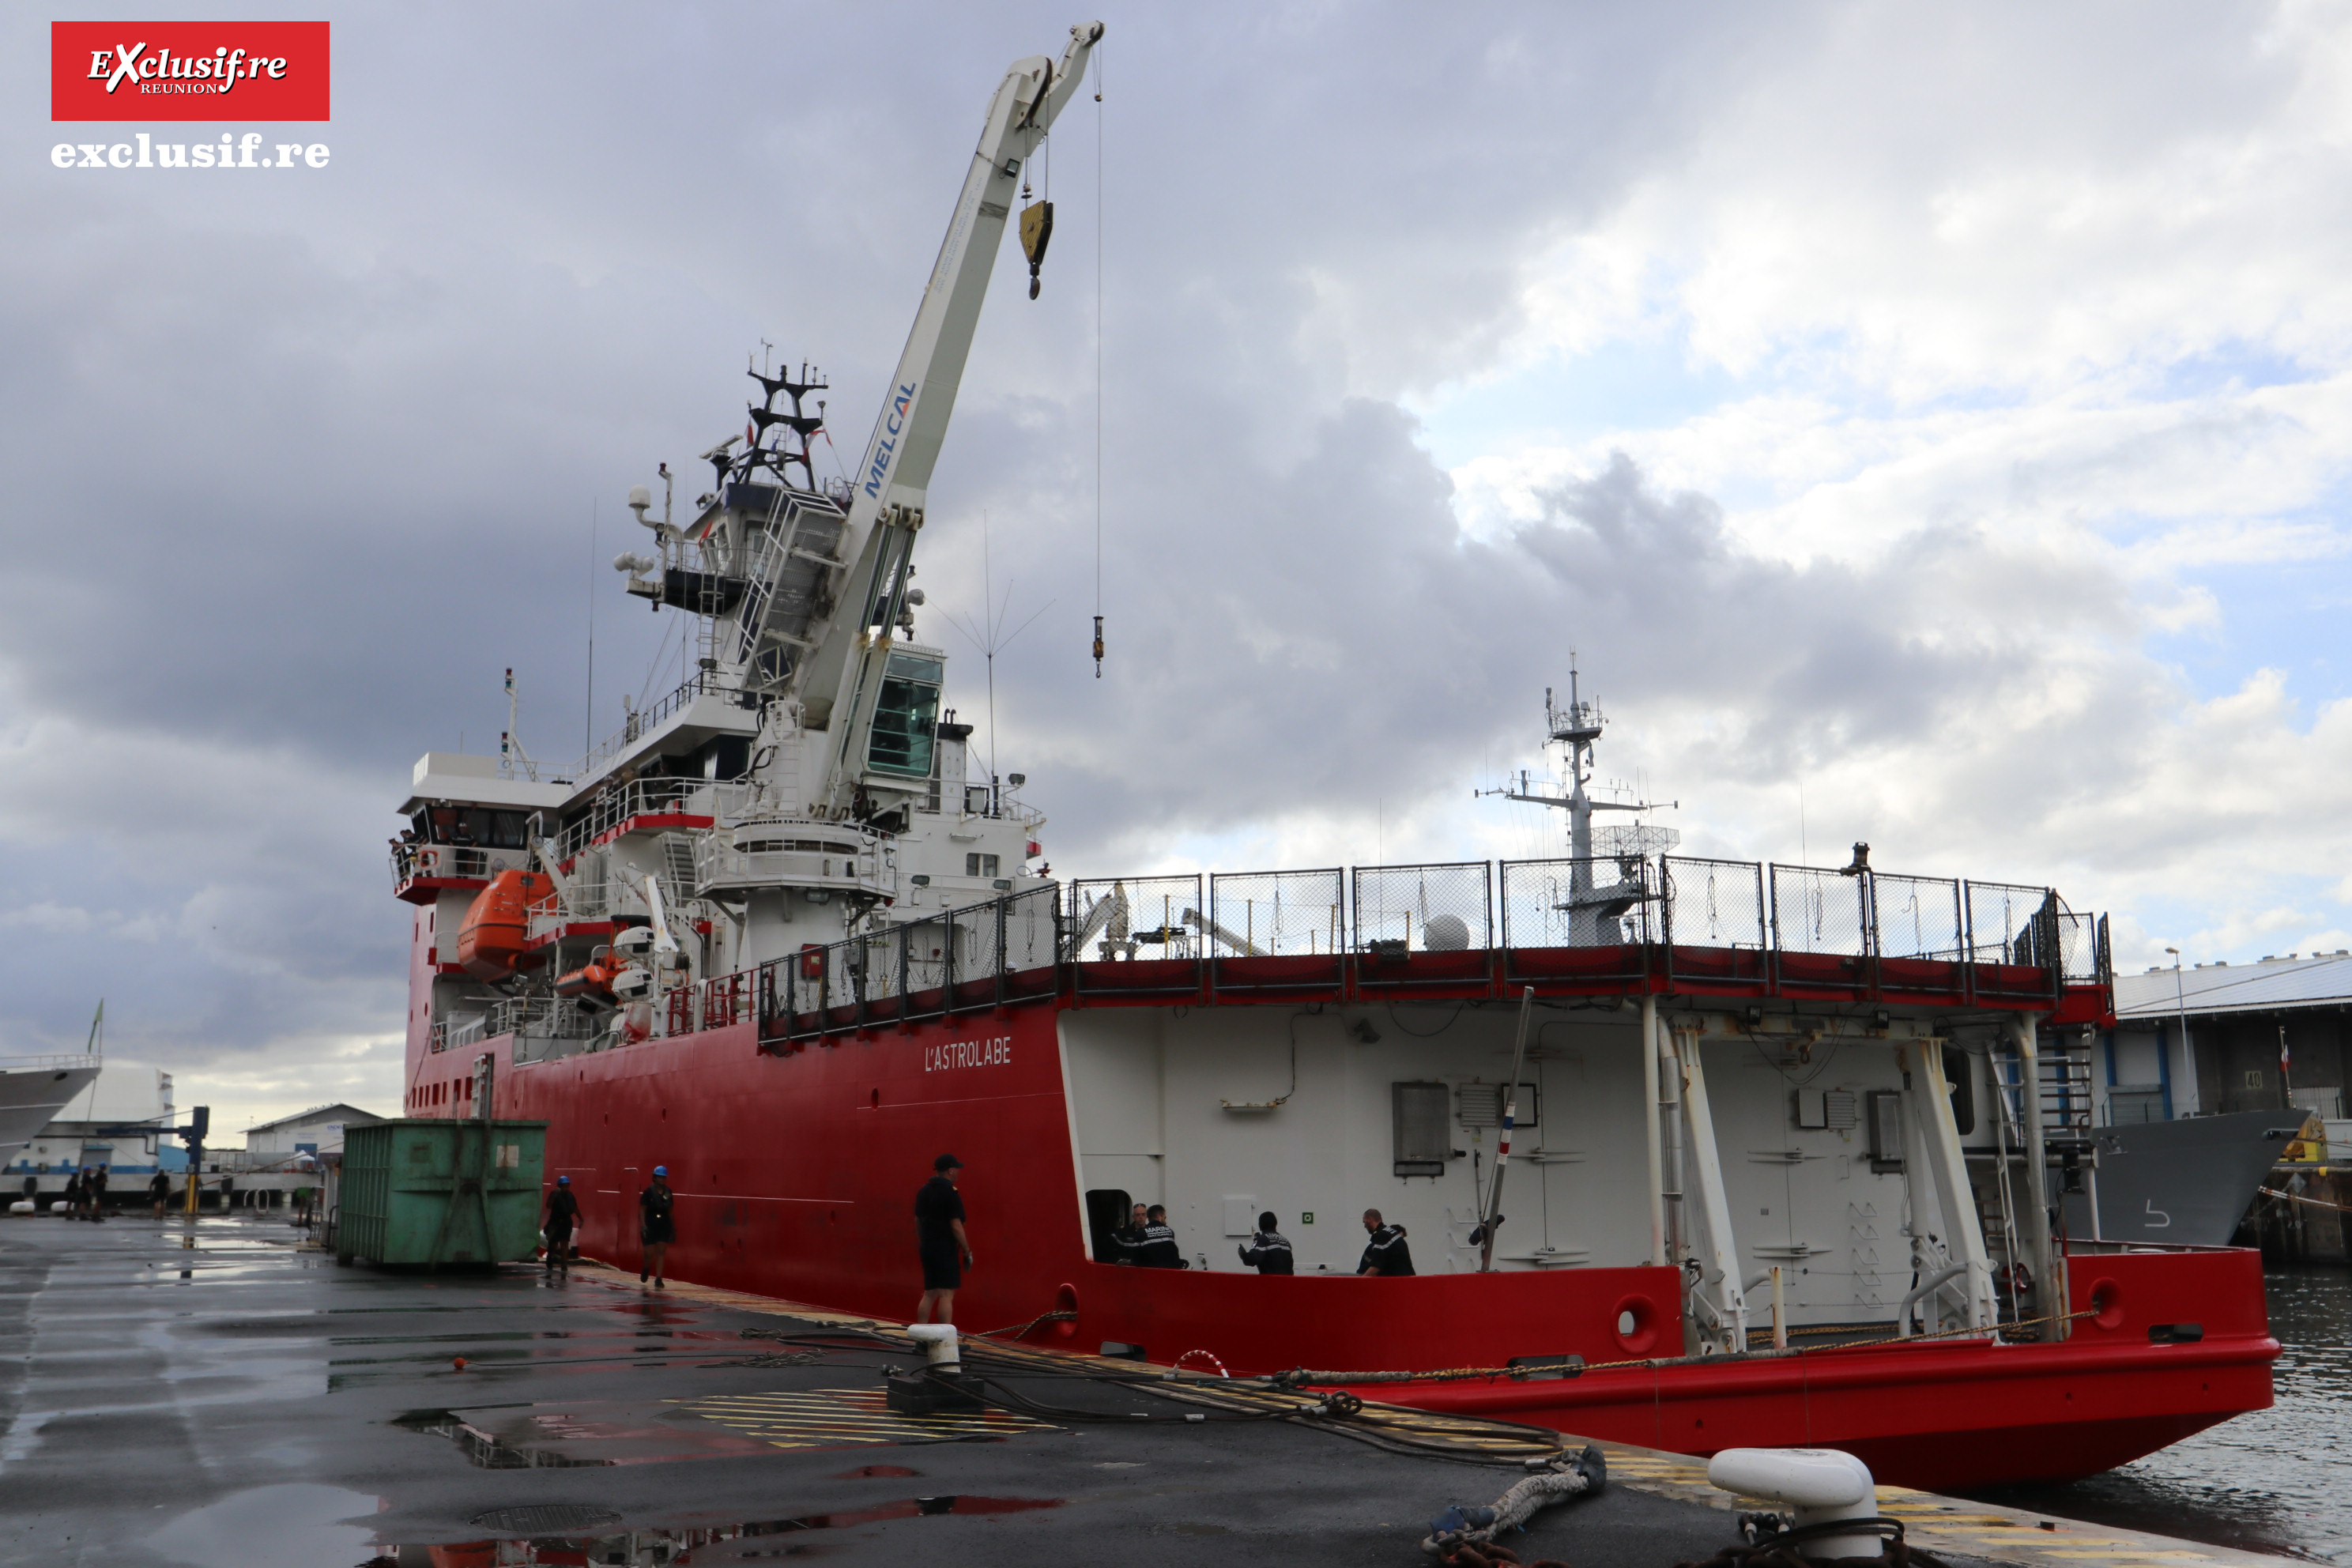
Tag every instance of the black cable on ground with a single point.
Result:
(1397, 1429)
(1779, 1550)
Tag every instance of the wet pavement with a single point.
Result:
(247, 1402)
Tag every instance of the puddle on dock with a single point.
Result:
(761, 1541)
(290, 1525)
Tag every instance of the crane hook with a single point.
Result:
(1036, 233)
(1098, 647)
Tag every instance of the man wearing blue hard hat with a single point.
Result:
(657, 1228)
(562, 1218)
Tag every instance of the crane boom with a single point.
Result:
(840, 673)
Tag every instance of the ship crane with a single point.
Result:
(810, 699)
(841, 672)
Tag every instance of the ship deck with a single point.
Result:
(244, 1400)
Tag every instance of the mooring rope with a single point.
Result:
(1301, 1377)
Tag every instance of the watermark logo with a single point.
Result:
(188, 70)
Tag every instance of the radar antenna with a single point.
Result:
(1594, 910)
(796, 426)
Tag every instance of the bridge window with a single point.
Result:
(473, 827)
(906, 717)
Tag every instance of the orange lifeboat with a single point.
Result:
(592, 986)
(494, 940)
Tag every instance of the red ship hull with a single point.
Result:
(795, 1176)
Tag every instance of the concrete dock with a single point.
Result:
(244, 1401)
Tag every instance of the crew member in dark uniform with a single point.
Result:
(657, 1225)
(562, 1218)
(1267, 1252)
(96, 1192)
(1386, 1254)
(940, 1238)
(1129, 1235)
(1157, 1248)
(158, 1192)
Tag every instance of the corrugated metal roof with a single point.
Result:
(2317, 981)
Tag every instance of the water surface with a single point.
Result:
(2279, 1480)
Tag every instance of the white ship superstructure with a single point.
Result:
(801, 783)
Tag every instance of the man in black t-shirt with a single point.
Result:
(562, 1218)
(1267, 1251)
(1386, 1254)
(940, 1238)
(1157, 1248)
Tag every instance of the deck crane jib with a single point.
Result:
(805, 595)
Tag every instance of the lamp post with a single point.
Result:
(2180, 1003)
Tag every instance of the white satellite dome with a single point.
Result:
(1444, 933)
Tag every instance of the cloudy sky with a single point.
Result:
(1926, 427)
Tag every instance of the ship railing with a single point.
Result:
(536, 1022)
(1580, 918)
(1135, 936)
(824, 855)
(718, 1003)
(467, 862)
(1717, 929)
(982, 956)
(1602, 923)
(1421, 927)
(621, 802)
(543, 1026)
(645, 721)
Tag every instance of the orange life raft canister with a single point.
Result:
(493, 940)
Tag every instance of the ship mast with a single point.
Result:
(1574, 728)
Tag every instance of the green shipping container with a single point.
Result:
(434, 1192)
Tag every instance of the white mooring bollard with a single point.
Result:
(938, 1342)
(1822, 1485)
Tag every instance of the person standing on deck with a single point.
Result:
(1267, 1251)
(940, 1240)
(73, 1195)
(1386, 1254)
(562, 1217)
(658, 1225)
(158, 1192)
(95, 1190)
(1158, 1247)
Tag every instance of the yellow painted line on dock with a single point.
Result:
(844, 1418)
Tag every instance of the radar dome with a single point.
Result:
(1444, 933)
